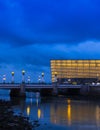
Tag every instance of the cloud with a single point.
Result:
(41, 55)
(46, 22)
(34, 32)
(36, 59)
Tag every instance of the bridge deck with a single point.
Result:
(35, 86)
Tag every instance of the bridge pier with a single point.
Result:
(84, 90)
(46, 92)
(55, 89)
(14, 92)
(19, 92)
(22, 90)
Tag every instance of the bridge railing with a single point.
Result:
(69, 86)
(17, 85)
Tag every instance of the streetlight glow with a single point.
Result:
(12, 73)
(42, 77)
(4, 78)
(28, 79)
(23, 72)
(12, 76)
(55, 73)
(42, 74)
(55, 77)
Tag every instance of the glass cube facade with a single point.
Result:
(75, 70)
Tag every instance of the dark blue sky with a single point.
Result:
(34, 31)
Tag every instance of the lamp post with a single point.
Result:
(0, 78)
(42, 77)
(23, 76)
(69, 80)
(97, 76)
(55, 79)
(39, 79)
(28, 79)
(55, 86)
(12, 76)
(4, 79)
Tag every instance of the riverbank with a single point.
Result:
(49, 113)
(8, 120)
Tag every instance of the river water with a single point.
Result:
(60, 113)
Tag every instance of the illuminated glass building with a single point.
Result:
(75, 71)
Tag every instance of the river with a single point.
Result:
(60, 112)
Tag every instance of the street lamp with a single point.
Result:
(29, 79)
(97, 76)
(55, 80)
(4, 78)
(0, 78)
(23, 76)
(42, 77)
(69, 80)
(12, 76)
(39, 79)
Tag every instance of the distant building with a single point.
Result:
(75, 71)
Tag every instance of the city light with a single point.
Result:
(55, 73)
(39, 113)
(28, 79)
(78, 71)
(12, 73)
(42, 74)
(42, 79)
(4, 78)
(23, 77)
(12, 76)
(23, 72)
(39, 79)
(28, 110)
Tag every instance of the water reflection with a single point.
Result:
(98, 115)
(69, 114)
(75, 112)
(39, 113)
(28, 110)
(60, 111)
(37, 102)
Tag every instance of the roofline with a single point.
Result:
(74, 59)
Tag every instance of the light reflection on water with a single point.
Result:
(59, 111)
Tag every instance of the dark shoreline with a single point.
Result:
(8, 119)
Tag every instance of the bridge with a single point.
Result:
(35, 86)
(18, 89)
(45, 89)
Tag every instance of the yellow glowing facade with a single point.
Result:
(71, 69)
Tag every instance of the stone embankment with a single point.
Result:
(10, 121)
